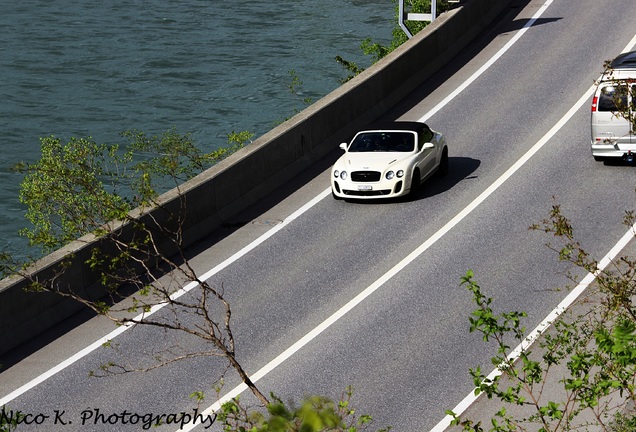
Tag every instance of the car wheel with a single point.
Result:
(336, 197)
(599, 158)
(442, 169)
(415, 183)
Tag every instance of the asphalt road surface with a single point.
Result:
(367, 293)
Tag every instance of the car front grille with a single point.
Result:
(365, 176)
(366, 193)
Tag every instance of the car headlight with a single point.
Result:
(392, 174)
(341, 174)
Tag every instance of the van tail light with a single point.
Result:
(594, 103)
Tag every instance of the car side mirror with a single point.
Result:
(427, 145)
(343, 146)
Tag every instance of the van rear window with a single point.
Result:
(613, 98)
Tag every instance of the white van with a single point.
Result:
(614, 103)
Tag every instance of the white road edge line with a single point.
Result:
(543, 326)
(402, 264)
(263, 371)
(92, 347)
(368, 291)
(430, 241)
(189, 287)
(489, 63)
(556, 313)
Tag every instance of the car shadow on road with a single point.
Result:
(459, 169)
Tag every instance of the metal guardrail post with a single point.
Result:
(403, 16)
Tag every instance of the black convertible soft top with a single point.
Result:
(413, 126)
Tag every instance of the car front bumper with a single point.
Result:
(358, 190)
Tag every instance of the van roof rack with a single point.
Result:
(625, 61)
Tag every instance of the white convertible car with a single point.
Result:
(388, 160)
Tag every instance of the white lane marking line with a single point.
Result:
(562, 307)
(489, 63)
(190, 286)
(423, 247)
(235, 257)
(630, 45)
(543, 326)
(61, 366)
(402, 264)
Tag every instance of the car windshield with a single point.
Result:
(383, 142)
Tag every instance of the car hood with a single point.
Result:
(374, 161)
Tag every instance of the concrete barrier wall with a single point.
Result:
(267, 163)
